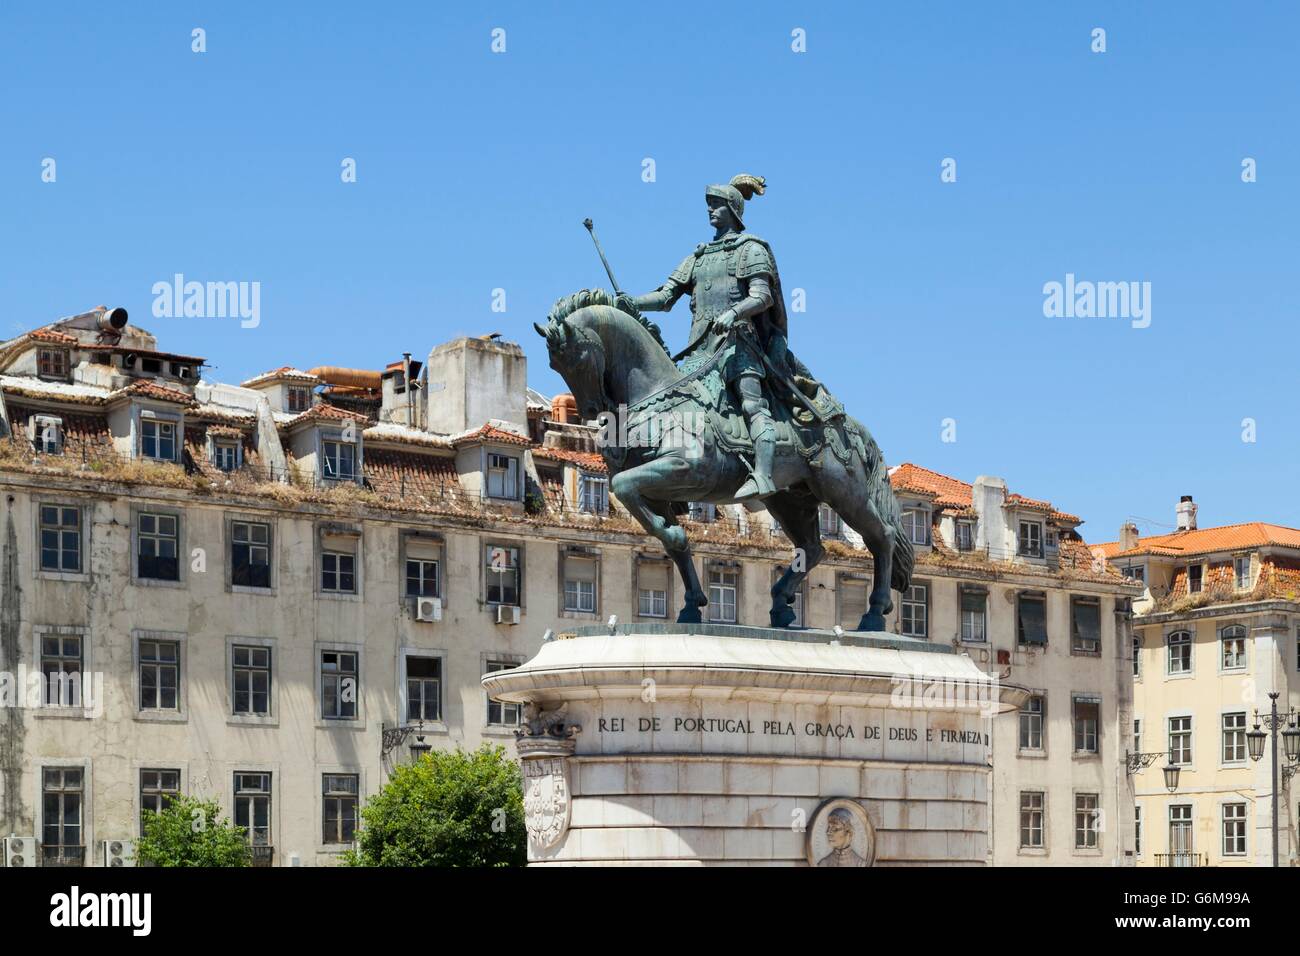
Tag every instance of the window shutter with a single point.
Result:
(973, 600)
(652, 576)
(579, 568)
(346, 543)
(1087, 621)
(853, 602)
(1033, 620)
(420, 548)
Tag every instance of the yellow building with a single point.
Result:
(1216, 632)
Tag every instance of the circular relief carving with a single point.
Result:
(840, 834)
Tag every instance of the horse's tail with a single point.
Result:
(881, 495)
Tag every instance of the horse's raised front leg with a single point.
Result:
(797, 515)
(646, 493)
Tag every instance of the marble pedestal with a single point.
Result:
(727, 745)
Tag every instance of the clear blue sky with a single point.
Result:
(925, 299)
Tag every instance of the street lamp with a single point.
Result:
(1291, 744)
(1171, 776)
(1134, 762)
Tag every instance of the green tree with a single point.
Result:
(192, 832)
(449, 808)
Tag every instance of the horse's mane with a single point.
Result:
(566, 306)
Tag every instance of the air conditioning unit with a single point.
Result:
(20, 851)
(118, 852)
(428, 609)
(507, 614)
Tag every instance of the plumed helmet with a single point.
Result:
(735, 193)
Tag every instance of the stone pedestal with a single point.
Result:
(725, 745)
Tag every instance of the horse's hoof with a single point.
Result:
(872, 621)
(782, 616)
(690, 615)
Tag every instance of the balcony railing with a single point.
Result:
(263, 855)
(58, 854)
(1182, 858)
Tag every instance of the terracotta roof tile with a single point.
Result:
(52, 335)
(323, 411)
(157, 392)
(490, 433)
(284, 373)
(586, 460)
(1233, 537)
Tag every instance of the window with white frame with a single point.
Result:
(1180, 832)
(1031, 819)
(1085, 625)
(652, 578)
(423, 688)
(1234, 829)
(1232, 642)
(250, 554)
(852, 601)
(1234, 737)
(502, 476)
(338, 572)
(1137, 830)
(339, 808)
(338, 685)
(501, 571)
(1137, 735)
(1179, 658)
(338, 460)
(47, 435)
(1029, 542)
(62, 801)
(913, 616)
(1195, 576)
(1241, 571)
(593, 495)
(501, 713)
(60, 534)
(724, 585)
(157, 439)
(423, 555)
(158, 546)
(1086, 817)
(225, 455)
(916, 525)
(1087, 721)
(61, 669)
(52, 363)
(1031, 618)
(158, 788)
(1137, 654)
(298, 398)
(1180, 741)
(1032, 715)
(828, 522)
(159, 675)
(253, 806)
(964, 535)
(250, 680)
(580, 572)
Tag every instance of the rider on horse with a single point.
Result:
(737, 308)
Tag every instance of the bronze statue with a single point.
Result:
(747, 396)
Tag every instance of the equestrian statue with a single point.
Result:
(741, 419)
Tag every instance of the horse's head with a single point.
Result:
(576, 352)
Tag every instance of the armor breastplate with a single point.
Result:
(713, 290)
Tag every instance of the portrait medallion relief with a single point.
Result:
(840, 834)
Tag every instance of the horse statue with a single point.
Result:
(678, 441)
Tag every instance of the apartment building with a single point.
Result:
(269, 593)
(1216, 630)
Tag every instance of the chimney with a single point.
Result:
(1128, 536)
(564, 409)
(475, 381)
(1186, 513)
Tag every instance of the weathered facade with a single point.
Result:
(268, 593)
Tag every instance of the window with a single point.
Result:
(1137, 654)
(61, 804)
(500, 714)
(158, 788)
(1180, 741)
(253, 806)
(338, 572)
(973, 616)
(1137, 573)
(652, 578)
(251, 680)
(1137, 735)
(338, 685)
(1031, 618)
(60, 532)
(702, 511)
(1031, 819)
(47, 435)
(579, 583)
(299, 398)
(421, 578)
(1194, 575)
(852, 600)
(916, 525)
(1029, 543)
(1085, 625)
(502, 574)
(157, 439)
(157, 547)
(1234, 829)
(1031, 723)
(502, 476)
(1180, 652)
(52, 363)
(339, 461)
(423, 688)
(964, 535)
(1241, 571)
(1180, 833)
(593, 495)
(1086, 816)
(1087, 718)
(225, 455)
(338, 807)
(1137, 830)
(61, 669)
(250, 554)
(724, 583)
(159, 675)
(912, 617)
(1234, 737)
(1233, 643)
(828, 522)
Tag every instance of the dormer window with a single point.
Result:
(964, 533)
(916, 525)
(338, 460)
(1241, 571)
(157, 439)
(502, 476)
(225, 454)
(47, 434)
(298, 398)
(1194, 578)
(52, 363)
(593, 495)
(828, 522)
(1030, 541)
